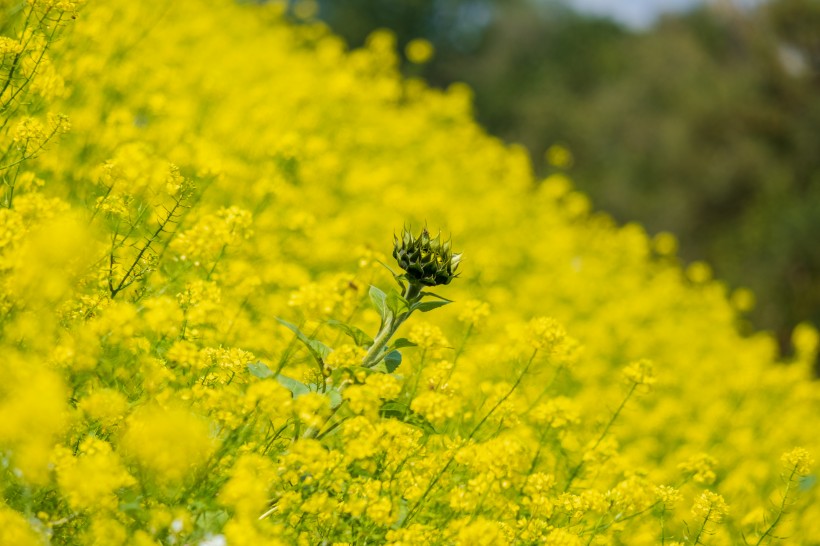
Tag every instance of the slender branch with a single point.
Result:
(781, 510)
(124, 282)
(414, 511)
(702, 528)
(579, 466)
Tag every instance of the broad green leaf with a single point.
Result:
(335, 397)
(297, 388)
(402, 515)
(260, 370)
(425, 306)
(401, 343)
(359, 337)
(379, 300)
(130, 501)
(396, 303)
(392, 361)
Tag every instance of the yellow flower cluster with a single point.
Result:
(799, 460)
(710, 506)
(191, 276)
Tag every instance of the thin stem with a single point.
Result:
(413, 511)
(781, 510)
(663, 526)
(125, 282)
(463, 343)
(617, 413)
(702, 528)
(417, 377)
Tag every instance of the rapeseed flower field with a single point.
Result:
(228, 317)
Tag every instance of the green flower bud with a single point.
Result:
(425, 260)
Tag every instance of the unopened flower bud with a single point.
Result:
(424, 259)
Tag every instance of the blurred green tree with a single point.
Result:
(706, 125)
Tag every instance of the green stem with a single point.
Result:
(780, 511)
(663, 526)
(391, 323)
(580, 465)
(702, 528)
(463, 344)
(417, 507)
(374, 352)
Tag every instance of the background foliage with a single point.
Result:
(703, 125)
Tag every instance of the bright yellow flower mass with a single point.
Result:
(201, 344)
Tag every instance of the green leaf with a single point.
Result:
(130, 501)
(392, 361)
(402, 412)
(402, 342)
(394, 410)
(260, 370)
(402, 515)
(379, 300)
(398, 277)
(396, 303)
(297, 388)
(436, 296)
(387, 267)
(425, 306)
(317, 349)
(359, 337)
(380, 367)
(400, 280)
(335, 396)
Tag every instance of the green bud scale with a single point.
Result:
(424, 259)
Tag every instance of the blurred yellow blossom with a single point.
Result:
(419, 51)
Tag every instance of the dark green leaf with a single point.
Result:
(260, 370)
(402, 412)
(417, 420)
(436, 296)
(359, 337)
(402, 342)
(394, 410)
(392, 361)
(425, 306)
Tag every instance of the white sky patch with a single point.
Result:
(641, 13)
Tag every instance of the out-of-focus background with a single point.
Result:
(701, 118)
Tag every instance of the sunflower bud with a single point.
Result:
(425, 260)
